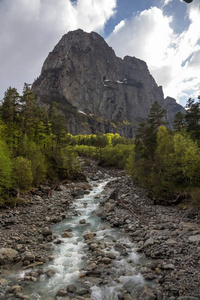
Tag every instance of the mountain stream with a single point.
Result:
(74, 265)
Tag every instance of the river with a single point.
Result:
(77, 260)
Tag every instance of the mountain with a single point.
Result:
(97, 91)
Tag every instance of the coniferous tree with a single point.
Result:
(192, 118)
(146, 135)
(179, 121)
(9, 113)
(28, 107)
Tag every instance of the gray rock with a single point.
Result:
(62, 293)
(111, 255)
(21, 296)
(46, 231)
(7, 255)
(89, 235)
(82, 291)
(187, 298)
(106, 260)
(83, 221)
(15, 289)
(149, 242)
(71, 288)
(147, 294)
(112, 88)
(28, 256)
(168, 267)
(67, 235)
(194, 238)
(93, 246)
(50, 273)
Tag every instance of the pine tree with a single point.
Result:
(146, 135)
(10, 112)
(179, 121)
(192, 118)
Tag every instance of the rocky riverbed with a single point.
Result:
(167, 241)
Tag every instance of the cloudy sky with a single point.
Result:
(164, 33)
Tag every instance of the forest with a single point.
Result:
(35, 147)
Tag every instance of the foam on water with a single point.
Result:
(69, 255)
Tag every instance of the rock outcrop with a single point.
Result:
(97, 91)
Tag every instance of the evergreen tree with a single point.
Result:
(28, 108)
(146, 135)
(192, 118)
(9, 113)
(58, 125)
(179, 121)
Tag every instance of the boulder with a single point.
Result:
(62, 293)
(28, 256)
(50, 273)
(7, 255)
(83, 221)
(67, 235)
(149, 242)
(71, 288)
(46, 231)
(15, 289)
(89, 235)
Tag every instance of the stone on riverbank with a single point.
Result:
(7, 255)
(67, 235)
(89, 235)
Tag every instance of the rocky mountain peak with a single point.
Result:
(96, 90)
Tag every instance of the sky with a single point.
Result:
(163, 33)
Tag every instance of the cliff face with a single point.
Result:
(96, 90)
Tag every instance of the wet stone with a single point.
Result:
(50, 273)
(62, 293)
(83, 221)
(15, 289)
(46, 231)
(71, 288)
(89, 235)
(82, 291)
(106, 260)
(67, 235)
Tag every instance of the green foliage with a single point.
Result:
(192, 118)
(31, 151)
(22, 173)
(116, 156)
(146, 135)
(5, 167)
(35, 146)
(70, 164)
(87, 151)
(167, 162)
(179, 121)
(195, 198)
(186, 160)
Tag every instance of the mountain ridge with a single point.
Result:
(96, 90)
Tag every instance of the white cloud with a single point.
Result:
(119, 26)
(30, 29)
(171, 58)
(166, 2)
(146, 35)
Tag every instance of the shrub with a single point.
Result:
(5, 167)
(22, 173)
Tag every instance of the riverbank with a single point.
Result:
(167, 236)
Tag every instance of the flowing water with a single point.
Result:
(71, 255)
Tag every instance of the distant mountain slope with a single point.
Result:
(97, 91)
